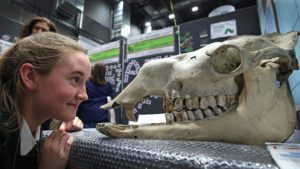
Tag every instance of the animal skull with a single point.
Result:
(227, 91)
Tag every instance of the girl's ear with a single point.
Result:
(28, 76)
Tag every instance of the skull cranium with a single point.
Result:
(227, 91)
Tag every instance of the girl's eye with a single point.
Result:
(75, 80)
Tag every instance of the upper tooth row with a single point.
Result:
(193, 103)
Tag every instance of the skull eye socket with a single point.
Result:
(226, 60)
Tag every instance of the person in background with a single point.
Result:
(98, 89)
(41, 76)
(37, 25)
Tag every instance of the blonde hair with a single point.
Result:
(44, 51)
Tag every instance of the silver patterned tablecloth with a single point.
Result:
(92, 150)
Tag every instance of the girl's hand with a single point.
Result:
(55, 150)
(73, 125)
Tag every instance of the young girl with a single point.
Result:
(42, 76)
(97, 90)
(37, 25)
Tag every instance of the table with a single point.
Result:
(93, 150)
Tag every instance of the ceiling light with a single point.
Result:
(195, 8)
(148, 23)
(171, 16)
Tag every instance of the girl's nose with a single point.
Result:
(82, 95)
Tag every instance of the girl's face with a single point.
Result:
(59, 94)
(40, 27)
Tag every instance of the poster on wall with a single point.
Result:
(110, 55)
(141, 49)
(155, 42)
(223, 29)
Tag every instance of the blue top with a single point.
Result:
(89, 111)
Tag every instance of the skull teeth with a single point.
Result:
(198, 114)
(195, 103)
(196, 108)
